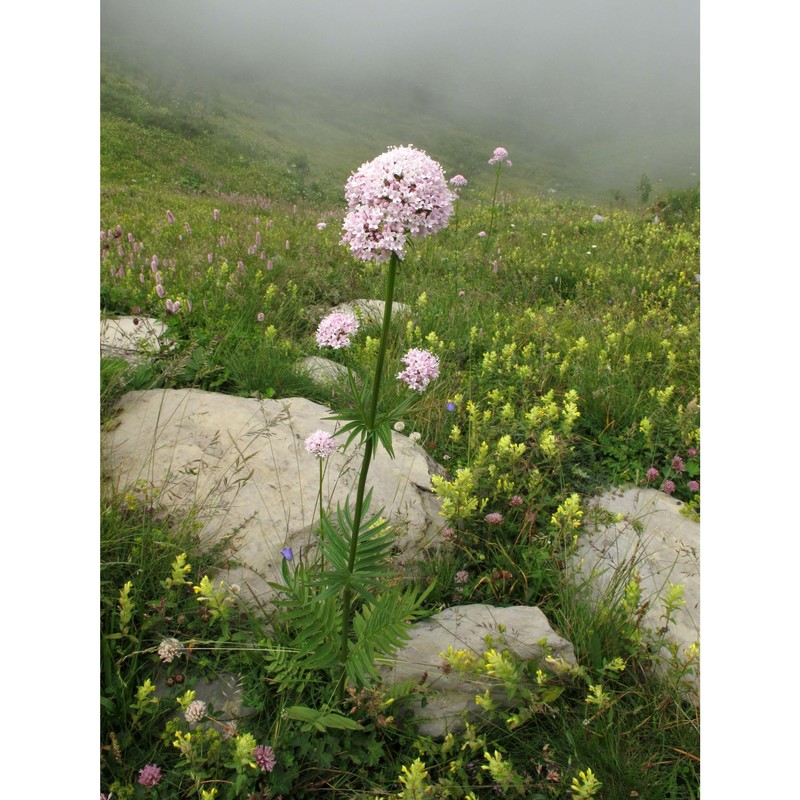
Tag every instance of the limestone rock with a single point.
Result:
(466, 627)
(224, 694)
(323, 371)
(370, 312)
(667, 550)
(131, 338)
(242, 463)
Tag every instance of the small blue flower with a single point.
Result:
(287, 553)
(450, 405)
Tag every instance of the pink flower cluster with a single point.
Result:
(320, 444)
(499, 156)
(422, 367)
(458, 181)
(494, 518)
(400, 193)
(264, 756)
(336, 329)
(149, 775)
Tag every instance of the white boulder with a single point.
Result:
(242, 464)
(524, 630)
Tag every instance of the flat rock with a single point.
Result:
(660, 543)
(242, 464)
(131, 338)
(466, 627)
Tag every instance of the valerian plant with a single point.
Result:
(344, 612)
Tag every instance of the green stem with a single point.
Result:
(319, 511)
(494, 197)
(369, 449)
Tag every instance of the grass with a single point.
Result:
(560, 310)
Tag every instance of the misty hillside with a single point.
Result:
(305, 100)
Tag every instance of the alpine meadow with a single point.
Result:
(512, 297)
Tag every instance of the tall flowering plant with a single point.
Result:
(347, 613)
(498, 160)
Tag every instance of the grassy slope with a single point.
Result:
(272, 126)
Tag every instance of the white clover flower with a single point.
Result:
(195, 711)
(169, 649)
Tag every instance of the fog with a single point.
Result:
(611, 82)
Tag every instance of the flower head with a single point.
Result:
(462, 577)
(170, 217)
(320, 444)
(260, 316)
(651, 474)
(677, 464)
(400, 193)
(321, 226)
(668, 487)
(169, 649)
(516, 500)
(336, 329)
(287, 553)
(450, 405)
(693, 486)
(458, 181)
(149, 775)
(421, 368)
(495, 518)
(195, 711)
(265, 757)
(500, 154)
